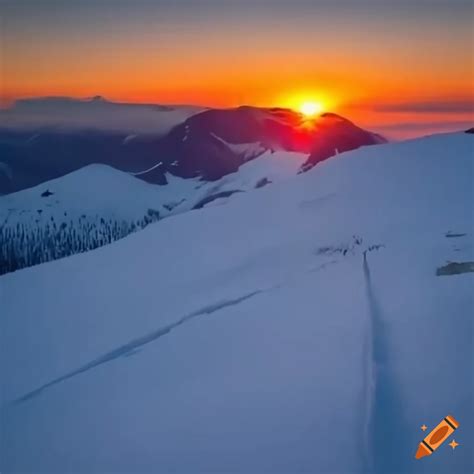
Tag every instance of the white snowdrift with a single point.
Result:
(257, 338)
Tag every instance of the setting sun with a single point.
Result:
(310, 109)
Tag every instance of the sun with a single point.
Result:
(310, 108)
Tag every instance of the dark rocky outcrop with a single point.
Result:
(455, 268)
(335, 135)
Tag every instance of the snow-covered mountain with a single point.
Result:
(75, 213)
(98, 204)
(310, 326)
(208, 144)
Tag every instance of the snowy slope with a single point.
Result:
(255, 337)
(270, 167)
(93, 189)
(99, 204)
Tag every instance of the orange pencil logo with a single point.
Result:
(437, 437)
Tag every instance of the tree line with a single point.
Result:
(25, 244)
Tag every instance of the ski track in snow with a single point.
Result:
(368, 376)
(134, 345)
(384, 421)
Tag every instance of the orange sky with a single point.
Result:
(350, 59)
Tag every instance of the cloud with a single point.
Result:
(406, 130)
(94, 113)
(429, 107)
(448, 125)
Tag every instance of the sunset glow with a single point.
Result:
(310, 109)
(225, 54)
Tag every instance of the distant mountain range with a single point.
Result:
(43, 139)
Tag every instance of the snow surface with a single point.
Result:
(92, 190)
(256, 337)
(273, 167)
(246, 150)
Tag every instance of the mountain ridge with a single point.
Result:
(207, 143)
